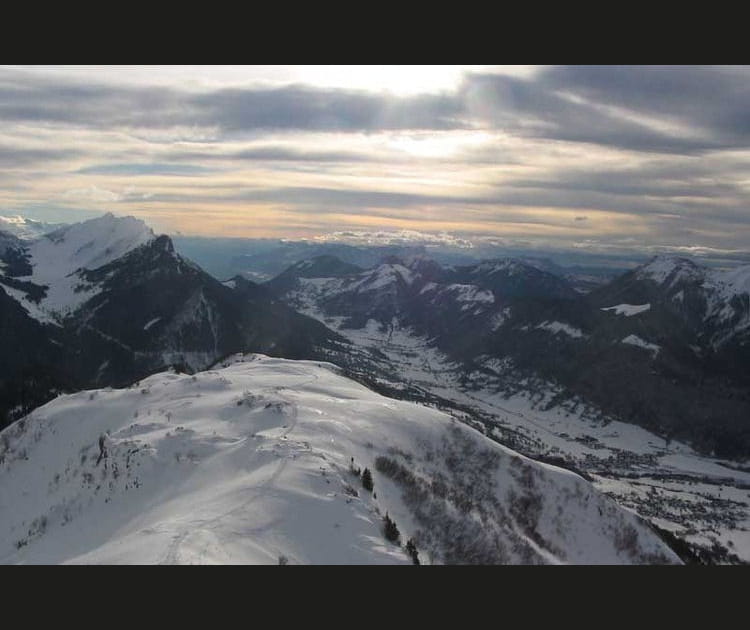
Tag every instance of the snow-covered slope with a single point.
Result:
(90, 244)
(252, 463)
(635, 340)
(57, 258)
(48, 278)
(628, 309)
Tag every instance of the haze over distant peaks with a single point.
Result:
(25, 228)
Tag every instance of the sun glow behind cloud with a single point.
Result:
(570, 155)
(446, 145)
(399, 80)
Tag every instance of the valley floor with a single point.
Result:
(703, 500)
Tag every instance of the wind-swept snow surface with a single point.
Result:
(252, 463)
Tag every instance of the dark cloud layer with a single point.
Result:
(34, 99)
(715, 100)
(533, 108)
(301, 107)
(572, 104)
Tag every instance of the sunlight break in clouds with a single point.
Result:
(566, 155)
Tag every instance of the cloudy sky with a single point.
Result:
(584, 157)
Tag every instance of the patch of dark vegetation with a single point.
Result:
(17, 262)
(34, 292)
(691, 509)
(461, 517)
(526, 506)
(684, 550)
(412, 551)
(367, 480)
(692, 553)
(390, 530)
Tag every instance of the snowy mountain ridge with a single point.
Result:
(256, 462)
(721, 285)
(56, 262)
(718, 297)
(675, 268)
(58, 258)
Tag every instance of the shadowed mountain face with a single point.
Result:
(318, 267)
(708, 309)
(662, 346)
(185, 317)
(417, 291)
(30, 361)
(143, 309)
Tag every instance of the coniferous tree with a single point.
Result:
(411, 549)
(390, 529)
(367, 480)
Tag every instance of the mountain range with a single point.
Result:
(516, 349)
(662, 345)
(117, 302)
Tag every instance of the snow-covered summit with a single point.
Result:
(509, 266)
(718, 287)
(254, 463)
(384, 275)
(669, 267)
(57, 258)
(716, 300)
(728, 282)
(91, 244)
